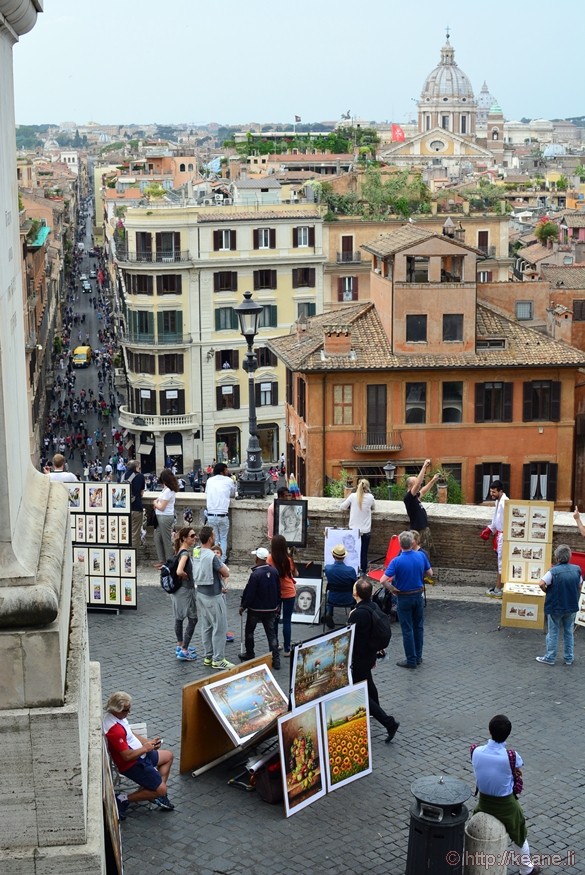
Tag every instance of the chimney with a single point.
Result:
(337, 339)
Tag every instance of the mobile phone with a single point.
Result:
(159, 742)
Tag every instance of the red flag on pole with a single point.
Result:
(397, 134)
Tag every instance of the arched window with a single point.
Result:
(181, 168)
(189, 167)
(495, 135)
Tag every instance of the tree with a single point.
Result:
(546, 230)
(562, 183)
(580, 172)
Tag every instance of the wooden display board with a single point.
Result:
(204, 741)
(526, 557)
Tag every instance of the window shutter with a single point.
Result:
(218, 361)
(178, 284)
(311, 309)
(179, 322)
(256, 236)
(555, 401)
(479, 402)
(177, 242)
(217, 320)
(236, 397)
(257, 394)
(159, 285)
(478, 484)
(295, 237)
(235, 359)
(356, 286)
(159, 324)
(505, 478)
(273, 274)
(233, 319)
(273, 316)
(507, 402)
(527, 403)
(218, 398)
(340, 288)
(158, 242)
(162, 365)
(256, 280)
(181, 400)
(295, 277)
(273, 238)
(216, 282)
(180, 364)
(234, 281)
(312, 236)
(489, 276)
(275, 393)
(525, 482)
(551, 483)
(232, 240)
(311, 278)
(216, 241)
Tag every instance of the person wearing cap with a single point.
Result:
(135, 478)
(340, 581)
(261, 599)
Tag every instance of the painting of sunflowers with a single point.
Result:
(301, 757)
(346, 728)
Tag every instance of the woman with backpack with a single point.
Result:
(183, 599)
(361, 504)
(279, 558)
(164, 507)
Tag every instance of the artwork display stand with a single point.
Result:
(526, 557)
(204, 741)
(100, 523)
(351, 540)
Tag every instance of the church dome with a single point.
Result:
(447, 82)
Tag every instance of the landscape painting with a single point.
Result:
(301, 757)
(346, 729)
(246, 703)
(321, 666)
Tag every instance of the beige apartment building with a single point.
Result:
(181, 271)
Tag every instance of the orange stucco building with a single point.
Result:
(426, 370)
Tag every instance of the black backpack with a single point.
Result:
(381, 629)
(168, 575)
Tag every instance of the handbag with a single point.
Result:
(383, 598)
(151, 519)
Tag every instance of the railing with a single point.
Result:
(143, 421)
(375, 441)
(140, 338)
(152, 257)
(348, 257)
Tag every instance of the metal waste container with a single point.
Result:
(437, 826)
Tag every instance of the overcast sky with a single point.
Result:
(170, 61)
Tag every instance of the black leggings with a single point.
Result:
(185, 640)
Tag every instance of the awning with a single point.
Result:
(145, 449)
(174, 450)
(129, 443)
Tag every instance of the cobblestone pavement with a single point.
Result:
(471, 672)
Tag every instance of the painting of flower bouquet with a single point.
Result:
(301, 757)
(346, 729)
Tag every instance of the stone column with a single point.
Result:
(50, 807)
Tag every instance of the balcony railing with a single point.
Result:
(349, 257)
(152, 257)
(143, 338)
(146, 422)
(374, 441)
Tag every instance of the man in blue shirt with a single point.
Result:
(340, 581)
(562, 585)
(495, 782)
(404, 577)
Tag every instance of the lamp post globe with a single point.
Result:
(254, 482)
(389, 471)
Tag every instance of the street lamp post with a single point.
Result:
(254, 481)
(389, 470)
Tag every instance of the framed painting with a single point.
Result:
(112, 591)
(346, 729)
(321, 666)
(307, 600)
(80, 556)
(80, 526)
(102, 529)
(290, 520)
(123, 530)
(246, 703)
(112, 562)
(112, 529)
(96, 561)
(301, 757)
(95, 497)
(128, 563)
(128, 593)
(118, 497)
(90, 528)
(350, 539)
(76, 496)
(97, 590)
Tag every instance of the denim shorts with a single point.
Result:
(144, 773)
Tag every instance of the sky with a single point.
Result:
(234, 62)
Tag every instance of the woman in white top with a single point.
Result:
(164, 506)
(361, 504)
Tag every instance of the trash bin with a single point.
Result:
(437, 826)
(486, 841)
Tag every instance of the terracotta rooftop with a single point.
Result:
(397, 239)
(569, 277)
(524, 347)
(313, 158)
(224, 214)
(574, 220)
